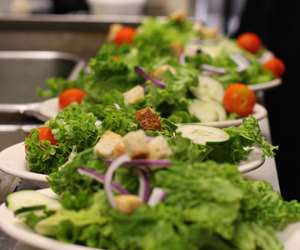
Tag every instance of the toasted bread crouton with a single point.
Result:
(134, 95)
(113, 30)
(158, 72)
(128, 203)
(179, 16)
(148, 119)
(177, 48)
(209, 32)
(158, 148)
(136, 144)
(118, 150)
(107, 144)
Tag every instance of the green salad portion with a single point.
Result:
(207, 206)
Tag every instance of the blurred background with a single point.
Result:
(80, 26)
(34, 18)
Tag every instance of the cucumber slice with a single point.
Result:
(29, 199)
(209, 88)
(220, 111)
(202, 134)
(207, 110)
(215, 50)
(29, 209)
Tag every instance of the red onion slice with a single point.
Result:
(144, 185)
(109, 175)
(157, 196)
(146, 163)
(182, 58)
(94, 174)
(241, 61)
(213, 69)
(141, 72)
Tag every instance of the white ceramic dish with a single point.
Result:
(266, 85)
(12, 161)
(49, 108)
(290, 237)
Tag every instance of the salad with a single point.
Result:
(131, 191)
(153, 66)
(76, 129)
(132, 170)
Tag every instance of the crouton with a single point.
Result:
(158, 148)
(107, 144)
(177, 48)
(113, 30)
(136, 145)
(118, 150)
(179, 16)
(148, 119)
(128, 203)
(209, 32)
(134, 95)
(158, 72)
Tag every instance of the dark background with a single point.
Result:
(277, 22)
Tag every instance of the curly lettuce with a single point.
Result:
(74, 130)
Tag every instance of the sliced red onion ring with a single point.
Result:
(213, 69)
(241, 61)
(157, 196)
(144, 185)
(109, 175)
(94, 174)
(146, 163)
(182, 58)
(141, 72)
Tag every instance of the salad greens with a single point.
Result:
(208, 206)
(254, 73)
(73, 128)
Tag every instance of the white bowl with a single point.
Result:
(116, 7)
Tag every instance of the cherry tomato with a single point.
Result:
(69, 96)
(238, 98)
(249, 41)
(276, 66)
(124, 35)
(45, 133)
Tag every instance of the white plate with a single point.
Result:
(13, 162)
(259, 112)
(290, 237)
(49, 108)
(266, 85)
